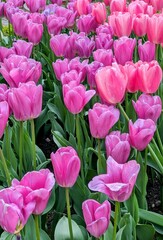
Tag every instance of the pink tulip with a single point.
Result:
(26, 101)
(111, 83)
(34, 32)
(68, 14)
(76, 97)
(119, 181)
(4, 115)
(36, 187)
(58, 44)
(16, 69)
(121, 23)
(37, 18)
(66, 166)
(99, 12)
(141, 133)
(35, 6)
(118, 146)
(104, 40)
(157, 4)
(96, 216)
(86, 23)
(3, 92)
(101, 119)
(103, 56)
(16, 3)
(2, 9)
(131, 71)
(84, 46)
(19, 22)
(155, 28)
(14, 211)
(58, 2)
(23, 48)
(146, 51)
(104, 28)
(123, 49)
(149, 76)
(5, 53)
(82, 6)
(137, 7)
(70, 76)
(148, 107)
(60, 67)
(118, 6)
(55, 24)
(140, 24)
(80, 67)
(91, 72)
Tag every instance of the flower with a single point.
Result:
(119, 181)
(4, 115)
(66, 165)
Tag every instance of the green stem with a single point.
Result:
(21, 149)
(99, 156)
(37, 227)
(154, 142)
(7, 173)
(117, 205)
(8, 143)
(123, 112)
(69, 213)
(33, 143)
(159, 141)
(155, 158)
(157, 52)
(79, 145)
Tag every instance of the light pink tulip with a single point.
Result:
(4, 115)
(82, 6)
(137, 7)
(148, 107)
(23, 48)
(155, 28)
(118, 146)
(146, 51)
(140, 24)
(103, 56)
(80, 67)
(36, 187)
(123, 49)
(35, 6)
(119, 181)
(76, 97)
(16, 69)
(14, 211)
(26, 101)
(118, 6)
(66, 166)
(101, 119)
(131, 71)
(99, 12)
(141, 133)
(111, 83)
(157, 4)
(96, 216)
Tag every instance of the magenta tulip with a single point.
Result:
(3, 92)
(86, 23)
(118, 146)
(23, 48)
(103, 56)
(141, 133)
(4, 115)
(146, 51)
(5, 53)
(36, 187)
(70, 76)
(26, 101)
(60, 67)
(91, 72)
(104, 40)
(66, 165)
(148, 107)
(101, 119)
(96, 216)
(119, 181)
(34, 32)
(35, 6)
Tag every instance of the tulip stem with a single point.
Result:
(7, 173)
(99, 157)
(157, 52)
(21, 149)
(8, 143)
(123, 112)
(37, 227)
(33, 143)
(159, 141)
(117, 205)
(155, 158)
(69, 213)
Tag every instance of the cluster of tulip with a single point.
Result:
(89, 69)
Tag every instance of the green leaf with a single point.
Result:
(133, 207)
(7, 236)
(44, 235)
(108, 234)
(51, 202)
(70, 123)
(62, 230)
(151, 217)
(41, 120)
(60, 140)
(129, 224)
(30, 232)
(144, 231)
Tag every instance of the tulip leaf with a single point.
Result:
(70, 123)
(44, 235)
(30, 232)
(133, 207)
(60, 140)
(65, 235)
(108, 234)
(7, 236)
(51, 202)
(151, 217)
(129, 225)
(41, 120)
(144, 231)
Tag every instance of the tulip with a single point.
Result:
(23, 48)
(82, 6)
(104, 40)
(1, 9)
(149, 76)
(140, 24)
(68, 14)
(16, 3)
(14, 211)
(91, 72)
(26, 101)
(70, 76)
(96, 216)
(104, 28)
(119, 181)
(36, 187)
(66, 166)
(76, 97)
(80, 67)
(4, 115)
(111, 83)
(121, 23)
(155, 28)
(60, 67)
(35, 6)
(16, 69)
(157, 4)
(5, 53)
(148, 107)
(103, 56)
(101, 119)
(118, 146)
(84, 46)
(58, 44)
(37, 18)
(131, 71)
(34, 32)
(3, 92)
(146, 51)
(55, 24)
(137, 7)
(86, 23)
(99, 12)
(19, 22)
(123, 49)
(118, 6)
(141, 133)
